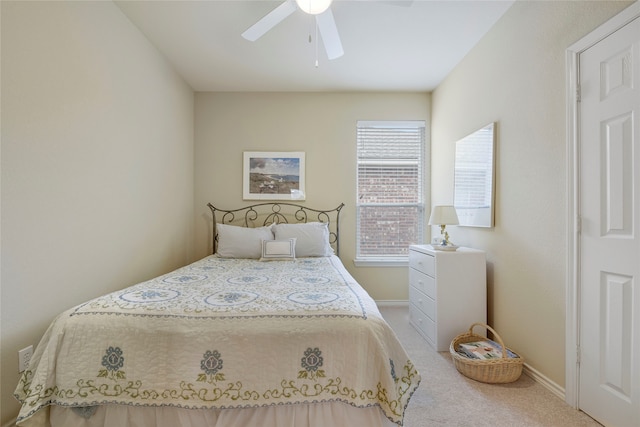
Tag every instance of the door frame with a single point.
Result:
(572, 321)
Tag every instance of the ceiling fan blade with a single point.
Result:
(329, 33)
(270, 20)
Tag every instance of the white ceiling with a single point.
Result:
(389, 45)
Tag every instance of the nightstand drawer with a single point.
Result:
(422, 282)
(422, 262)
(424, 303)
(423, 324)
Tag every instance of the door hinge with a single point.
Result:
(578, 224)
(578, 93)
(578, 352)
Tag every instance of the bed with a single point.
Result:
(269, 330)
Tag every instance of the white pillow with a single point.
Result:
(241, 242)
(278, 250)
(312, 238)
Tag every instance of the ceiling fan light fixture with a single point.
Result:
(314, 7)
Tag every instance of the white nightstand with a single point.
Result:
(447, 292)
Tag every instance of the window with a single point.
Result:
(390, 189)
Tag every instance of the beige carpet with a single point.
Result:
(447, 398)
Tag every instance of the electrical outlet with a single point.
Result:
(24, 357)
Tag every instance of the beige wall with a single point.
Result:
(97, 166)
(516, 77)
(323, 125)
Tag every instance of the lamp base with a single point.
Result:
(445, 247)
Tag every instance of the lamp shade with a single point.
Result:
(314, 7)
(443, 215)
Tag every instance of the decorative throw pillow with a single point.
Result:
(241, 242)
(278, 250)
(312, 238)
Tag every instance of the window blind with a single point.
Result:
(390, 187)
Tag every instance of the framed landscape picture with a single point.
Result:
(273, 176)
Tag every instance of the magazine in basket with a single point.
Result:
(483, 350)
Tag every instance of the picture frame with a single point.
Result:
(272, 175)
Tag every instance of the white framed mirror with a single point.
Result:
(474, 178)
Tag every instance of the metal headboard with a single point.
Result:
(265, 214)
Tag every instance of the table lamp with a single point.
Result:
(444, 215)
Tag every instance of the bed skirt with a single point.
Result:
(334, 414)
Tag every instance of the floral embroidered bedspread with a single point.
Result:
(223, 333)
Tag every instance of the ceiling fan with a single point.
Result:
(324, 23)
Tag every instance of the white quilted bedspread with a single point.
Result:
(223, 333)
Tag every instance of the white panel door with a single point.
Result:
(609, 339)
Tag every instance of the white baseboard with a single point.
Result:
(544, 381)
(392, 303)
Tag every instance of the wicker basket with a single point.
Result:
(495, 371)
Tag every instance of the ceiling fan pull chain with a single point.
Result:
(316, 42)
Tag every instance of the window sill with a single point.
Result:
(381, 262)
